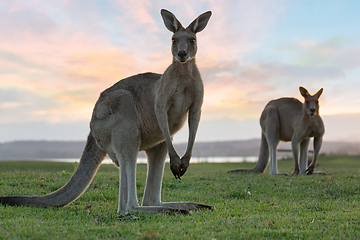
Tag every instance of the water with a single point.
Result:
(143, 160)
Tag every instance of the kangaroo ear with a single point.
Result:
(200, 22)
(170, 21)
(304, 92)
(318, 94)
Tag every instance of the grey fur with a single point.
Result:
(138, 113)
(287, 119)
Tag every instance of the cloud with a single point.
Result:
(237, 28)
(42, 130)
(239, 91)
(49, 60)
(332, 64)
(19, 21)
(103, 66)
(20, 105)
(57, 57)
(336, 51)
(342, 127)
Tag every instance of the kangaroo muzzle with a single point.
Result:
(182, 56)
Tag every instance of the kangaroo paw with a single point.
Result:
(188, 206)
(310, 170)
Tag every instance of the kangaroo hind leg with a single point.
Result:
(270, 125)
(152, 195)
(155, 168)
(116, 128)
(317, 146)
(126, 151)
(304, 145)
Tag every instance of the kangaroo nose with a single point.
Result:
(182, 53)
(312, 111)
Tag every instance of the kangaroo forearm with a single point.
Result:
(164, 127)
(317, 147)
(194, 119)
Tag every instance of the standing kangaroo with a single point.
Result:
(287, 119)
(141, 113)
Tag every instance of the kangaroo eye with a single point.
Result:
(173, 40)
(192, 40)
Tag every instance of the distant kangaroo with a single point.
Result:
(138, 113)
(287, 119)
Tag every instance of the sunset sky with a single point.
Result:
(57, 56)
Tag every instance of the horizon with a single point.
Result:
(56, 59)
(213, 141)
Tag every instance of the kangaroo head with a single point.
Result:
(184, 45)
(311, 104)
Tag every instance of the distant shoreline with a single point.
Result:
(233, 151)
(141, 160)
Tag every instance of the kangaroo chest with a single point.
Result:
(183, 93)
(180, 102)
(310, 129)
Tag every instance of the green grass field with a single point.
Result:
(247, 206)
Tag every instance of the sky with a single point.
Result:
(56, 57)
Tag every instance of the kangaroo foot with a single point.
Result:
(296, 172)
(160, 209)
(310, 170)
(204, 206)
(171, 211)
(187, 206)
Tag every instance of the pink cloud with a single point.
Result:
(68, 53)
(138, 13)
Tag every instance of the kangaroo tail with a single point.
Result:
(262, 162)
(89, 163)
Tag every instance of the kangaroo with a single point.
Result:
(287, 119)
(141, 113)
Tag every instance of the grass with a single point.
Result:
(247, 206)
